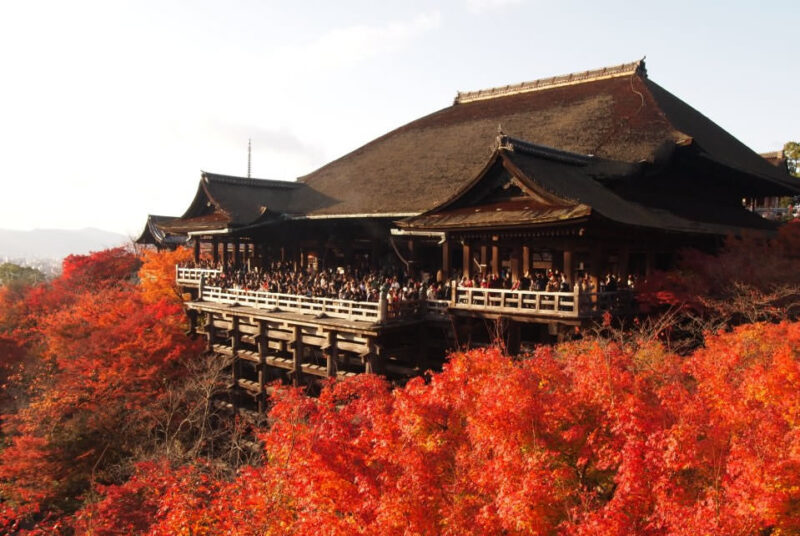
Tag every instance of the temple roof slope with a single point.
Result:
(616, 113)
(226, 202)
(153, 234)
(526, 184)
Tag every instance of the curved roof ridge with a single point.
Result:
(247, 181)
(522, 146)
(625, 69)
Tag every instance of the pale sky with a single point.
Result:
(109, 109)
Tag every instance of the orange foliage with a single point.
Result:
(157, 273)
(587, 438)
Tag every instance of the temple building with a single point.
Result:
(592, 173)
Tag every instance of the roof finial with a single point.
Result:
(249, 153)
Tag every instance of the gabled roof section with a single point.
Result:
(616, 113)
(154, 235)
(226, 202)
(548, 186)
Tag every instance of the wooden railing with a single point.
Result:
(190, 277)
(575, 304)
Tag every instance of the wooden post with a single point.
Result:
(201, 287)
(215, 250)
(483, 259)
(297, 356)
(453, 293)
(446, 260)
(237, 254)
(495, 259)
(514, 337)
(331, 354)
(263, 344)
(649, 262)
(516, 263)
(210, 331)
(383, 308)
(370, 359)
(466, 256)
(623, 269)
(235, 364)
(225, 256)
(197, 249)
(526, 260)
(568, 266)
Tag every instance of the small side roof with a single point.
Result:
(152, 234)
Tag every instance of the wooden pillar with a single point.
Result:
(483, 260)
(225, 256)
(516, 263)
(197, 249)
(374, 254)
(297, 356)
(466, 260)
(514, 337)
(568, 266)
(624, 262)
(526, 260)
(331, 354)
(247, 257)
(371, 357)
(495, 259)
(649, 262)
(412, 258)
(263, 345)
(215, 250)
(211, 332)
(446, 260)
(235, 364)
(596, 274)
(237, 254)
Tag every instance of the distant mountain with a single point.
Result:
(55, 243)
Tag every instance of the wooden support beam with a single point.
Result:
(526, 260)
(225, 256)
(211, 333)
(623, 267)
(446, 261)
(568, 266)
(262, 341)
(297, 355)
(237, 254)
(495, 259)
(215, 250)
(466, 260)
(331, 350)
(483, 259)
(197, 249)
(235, 364)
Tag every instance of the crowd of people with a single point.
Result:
(358, 284)
(348, 283)
(549, 281)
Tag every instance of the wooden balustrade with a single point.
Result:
(574, 304)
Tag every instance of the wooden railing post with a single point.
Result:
(453, 292)
(383, 308)
(201, 287)
(576, 304)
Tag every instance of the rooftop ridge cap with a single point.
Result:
(231, 179)
(570, 79)
(525, 147)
